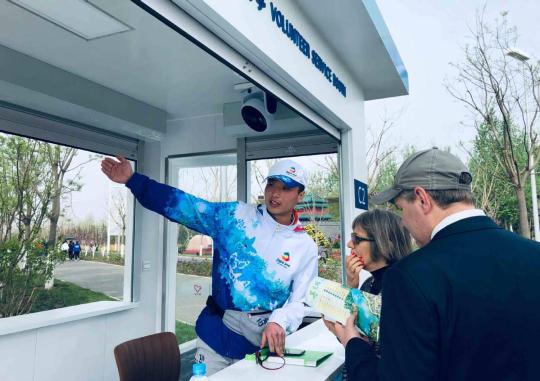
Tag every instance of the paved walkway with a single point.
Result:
(191, 290)
(101, 277)
(191, 294)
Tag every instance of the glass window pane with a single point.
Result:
(62, 228)
(213, 178)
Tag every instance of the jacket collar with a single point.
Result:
(467, 225)
(294, 226)
(455, 218)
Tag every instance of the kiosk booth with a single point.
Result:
(172, 86)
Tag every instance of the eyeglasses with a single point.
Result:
(356, 239)
(262, 355)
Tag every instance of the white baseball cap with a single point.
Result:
(289, 173)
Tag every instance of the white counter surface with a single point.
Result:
(313, 337)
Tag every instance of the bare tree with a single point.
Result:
(26, 263)
(501, 91)
(324, 181)
(88, 231)
(260, 169)
(378, 152)
(118, 213)
(27, 179)
(221, 181)
(60, 159)
(214, 183)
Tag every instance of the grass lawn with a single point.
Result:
(65, 294)
(113, 258)
(184, 332)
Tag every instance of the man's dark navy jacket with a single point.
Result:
(464, 307)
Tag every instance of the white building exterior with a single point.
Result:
(159, 89)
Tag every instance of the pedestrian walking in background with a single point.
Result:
(70, 250)
(76, 250)
(64, 248)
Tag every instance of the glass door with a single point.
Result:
(212, 177)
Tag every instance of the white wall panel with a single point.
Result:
(72, 351)
(122, 327)
(17, 354)
(196, 135)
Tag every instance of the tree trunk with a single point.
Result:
(60, 162)
(54, 215)
(27, 221)
(524, 228)
(123, 241)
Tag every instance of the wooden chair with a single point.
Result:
(149, 358)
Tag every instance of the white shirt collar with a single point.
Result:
(455, 218)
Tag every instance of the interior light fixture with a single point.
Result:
(77, 16)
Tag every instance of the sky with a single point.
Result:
(93, 199)
(429, 35)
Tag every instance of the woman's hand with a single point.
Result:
(353, 266)
(330, 325)
(118, 170)
(348, 331)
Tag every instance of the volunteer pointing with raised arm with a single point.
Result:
(263, 260)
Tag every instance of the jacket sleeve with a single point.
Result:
(360, 360)
(409, 336)
(178, 206)
(290, 316)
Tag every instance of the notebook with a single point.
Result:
(309, 358)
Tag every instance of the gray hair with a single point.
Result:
(391, 241)
(443, 198)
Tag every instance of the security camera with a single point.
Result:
(258, 109)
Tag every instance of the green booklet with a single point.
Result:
(309, 358)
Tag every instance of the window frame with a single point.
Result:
(168, 321)
(20, 121)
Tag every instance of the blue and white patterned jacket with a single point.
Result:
(258, 263)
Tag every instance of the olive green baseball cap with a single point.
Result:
(432, 169)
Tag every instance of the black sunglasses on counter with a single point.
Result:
(262, 355)
(356, 239)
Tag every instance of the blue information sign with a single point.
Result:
(360, 195)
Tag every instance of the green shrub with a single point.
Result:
(202, 268)
(330, 269)
(24, 270)
(115, 259)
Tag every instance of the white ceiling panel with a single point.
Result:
(150, 63)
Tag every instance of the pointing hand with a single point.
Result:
(118, 170)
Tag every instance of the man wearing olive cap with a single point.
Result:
(466, 305)
(262, 265)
